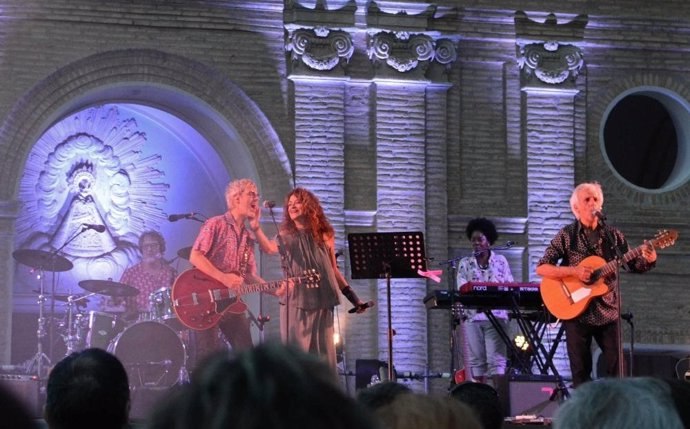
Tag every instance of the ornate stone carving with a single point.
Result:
(401, 51)
(550, 62)
(445, 52)
(547, 52)
(320, 48)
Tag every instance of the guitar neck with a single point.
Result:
(260, 287)
(611, 266)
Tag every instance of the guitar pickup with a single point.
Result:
(195, 300)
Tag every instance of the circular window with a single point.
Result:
(644, 138)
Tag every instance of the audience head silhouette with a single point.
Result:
(483, 400)
(641, 402)
(13, 411)
(270, 386)
(421, 411)
(87, 389)
(380, 394)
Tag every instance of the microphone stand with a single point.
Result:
(453, 322)
(40, 356)
(286, 264)
(617, 290)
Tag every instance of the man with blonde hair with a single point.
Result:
(224, 250)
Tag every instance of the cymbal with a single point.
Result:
(47, 261)
(79, 299)
(184, 252)
(108, 287)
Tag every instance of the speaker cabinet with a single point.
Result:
(531, 395)
(27, 389)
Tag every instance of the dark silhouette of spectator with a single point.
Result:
(380, 394)
(271, 386)
(641, 402)
(483, 400)
(680, 393)
(13, 413)
(420, 411)
(87, 389)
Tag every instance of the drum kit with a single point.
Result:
(152, 349)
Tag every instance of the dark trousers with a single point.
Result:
(235, 329)
(578, 338)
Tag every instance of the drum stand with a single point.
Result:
(72, 339)
(37, 361)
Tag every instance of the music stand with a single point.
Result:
(387, 255)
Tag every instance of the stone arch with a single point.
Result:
(617, 188)
(195, 92)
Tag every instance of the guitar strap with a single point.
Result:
(244, 262)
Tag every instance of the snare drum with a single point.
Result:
(160, 304)
(152, 354)
(103, 327)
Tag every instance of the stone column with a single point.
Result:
(401, 183)
(8, 214)
(320, 145)
(550, 61)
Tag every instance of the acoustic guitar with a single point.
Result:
(199, 300)
(568, 297)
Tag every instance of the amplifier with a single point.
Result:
(27, 389)
(531, 395)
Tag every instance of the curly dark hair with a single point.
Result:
(316, 218)
(485, 226)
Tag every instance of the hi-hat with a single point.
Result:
(185, 252)
(108, 287)
(41, 259)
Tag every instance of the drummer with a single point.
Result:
(149, 275)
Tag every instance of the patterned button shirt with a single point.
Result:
(147, 282)
(572, 244)
(224, 243)
(497, 271)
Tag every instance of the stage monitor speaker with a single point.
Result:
(27, 389)
(368, 371)
(531, 395)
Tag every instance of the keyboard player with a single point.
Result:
(487, 352)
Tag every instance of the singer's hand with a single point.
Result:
(255, 218)
(648, 252)
(583, 272)
(231, 280)
(284, 287)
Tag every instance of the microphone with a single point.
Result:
(97, 228)
(269, 204)
(598, 214)
(176, 217)
(362, 307)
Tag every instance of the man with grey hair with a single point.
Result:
(588, 236)
(224, 250)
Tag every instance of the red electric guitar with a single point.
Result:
(200, 301)
(567, 298)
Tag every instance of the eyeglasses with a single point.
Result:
(150, 245)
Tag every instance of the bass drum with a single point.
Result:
(152, 354)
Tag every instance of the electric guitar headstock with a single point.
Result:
(310, 278)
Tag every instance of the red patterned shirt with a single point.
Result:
(147, 282)
(225, 244)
